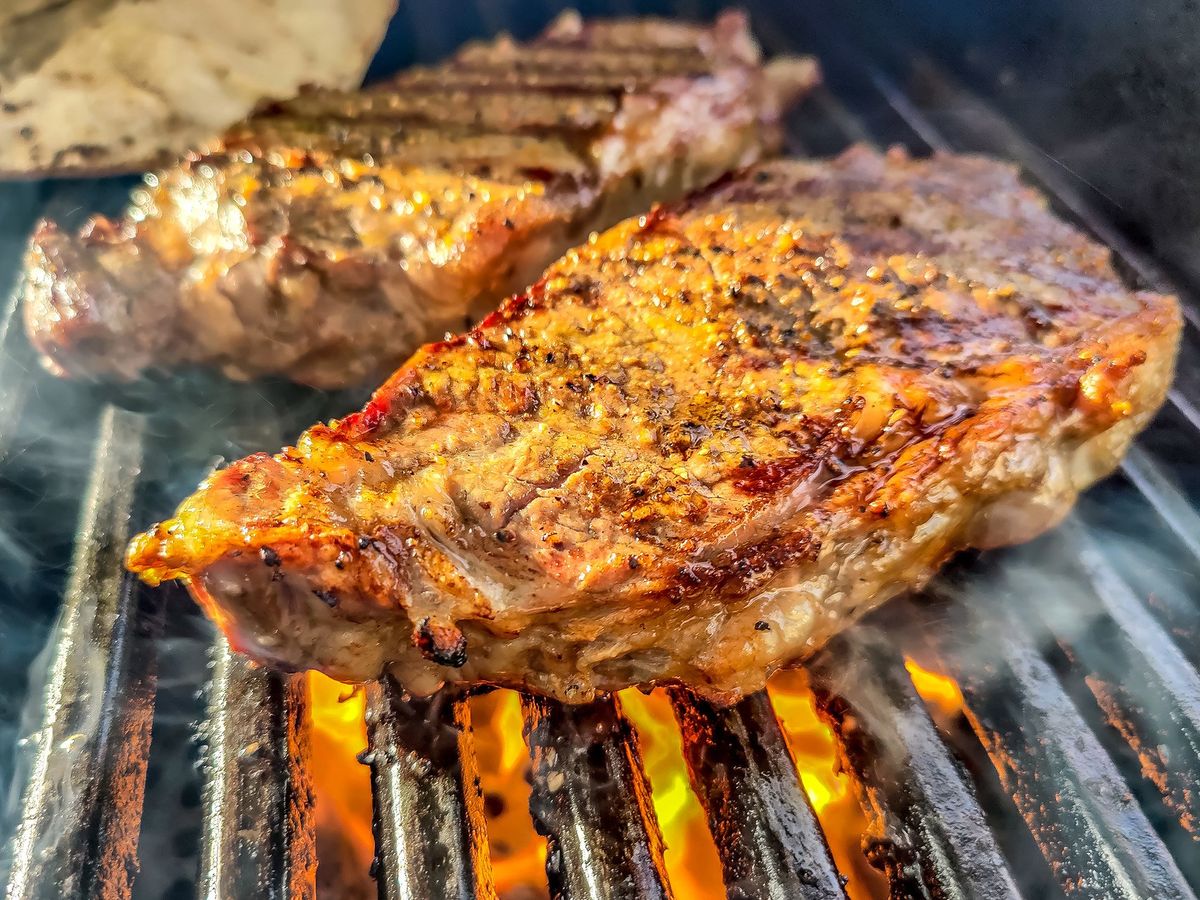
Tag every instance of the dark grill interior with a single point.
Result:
(1074, 771)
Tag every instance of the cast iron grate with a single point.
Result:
(1092, 741)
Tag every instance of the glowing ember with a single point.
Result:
(342, 784)
(691, 857)
(518, 852)
(938, 691)
(828, 787)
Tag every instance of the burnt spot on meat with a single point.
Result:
(762, 625)
(738, 573)
(538, 173)
(442, 644)
(363, 542)
(329, 598)
(270, 557)
(771, 477)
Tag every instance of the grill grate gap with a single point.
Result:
(171, 814)
(1148, 557)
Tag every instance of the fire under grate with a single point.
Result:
(1082, 699)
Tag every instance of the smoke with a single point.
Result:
(47, 451)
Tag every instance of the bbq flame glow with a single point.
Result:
(342, 785)
(938, 691)
(519, 853)
(691, 856)
(828, 787)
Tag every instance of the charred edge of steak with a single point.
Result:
(442, 644)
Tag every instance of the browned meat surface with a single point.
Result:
(329, 236)
(700, 445)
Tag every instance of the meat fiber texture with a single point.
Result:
(703, 443)
(329, 236)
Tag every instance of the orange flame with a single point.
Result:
(829, 789)
(693, 866)
(342, 785)
(938, 691)
(518, 852)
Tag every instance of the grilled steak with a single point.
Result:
(700, 445)
(329, 236)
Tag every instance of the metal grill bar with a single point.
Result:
(430, 837)
(933, 840)
(81, 809)
(591, 801)
(13, 366)
(770, 843)
(258, 824)
(1139, 677)
(1080, 811)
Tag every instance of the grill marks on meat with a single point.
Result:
(330, 235)
(783, 400)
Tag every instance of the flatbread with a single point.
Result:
(117, 85)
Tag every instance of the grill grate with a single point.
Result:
(1058, 759)
(257, 803)
(429, 832)
(932, 837)
(765, 829)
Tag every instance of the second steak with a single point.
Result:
(329, 236)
